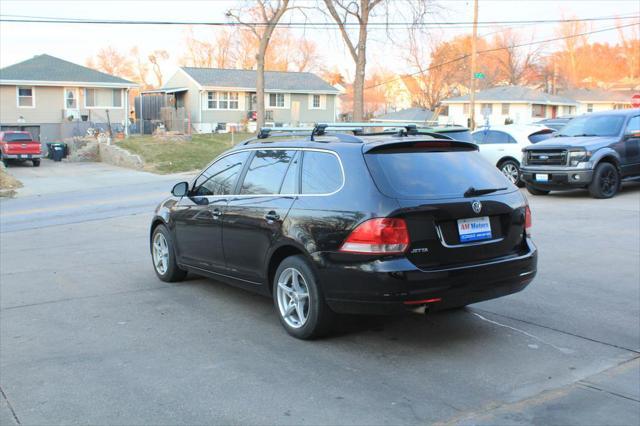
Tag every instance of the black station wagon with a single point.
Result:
(343, 221)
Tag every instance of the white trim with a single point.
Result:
(253, 90)
(103, 106)
(217, 108)
(521, 101)
(286, 104)
(322, 102)
(66, 83)
(33, 97)
(267, 148)
(64, 97)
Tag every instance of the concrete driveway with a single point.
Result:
(89, 335)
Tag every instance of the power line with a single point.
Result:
(55, 20)
(495, 49)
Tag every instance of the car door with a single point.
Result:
(197, 218)
(495, 145)
(630, 152)
(254, 217)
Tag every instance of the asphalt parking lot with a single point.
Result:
(89, 335)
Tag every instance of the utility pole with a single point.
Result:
(472, 88)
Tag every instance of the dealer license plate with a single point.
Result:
(475, 229)
(542, 177)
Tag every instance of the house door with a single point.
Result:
(554, 111)
(295, 113)
(71, 110)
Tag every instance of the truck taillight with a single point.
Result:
(378, 236)
(527, 219)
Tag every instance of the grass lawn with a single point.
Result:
(171, 157)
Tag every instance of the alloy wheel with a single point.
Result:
(511, 172)
(160, 253)
(608, 182)
(293, 298)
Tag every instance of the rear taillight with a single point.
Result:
(527, 220)
(378, 236)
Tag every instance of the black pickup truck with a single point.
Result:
(596, 151)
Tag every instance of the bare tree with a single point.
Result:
(269, 12)
(343, 11)
(516, 65)
(154, 58)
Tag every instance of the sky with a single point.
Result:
(73, 42)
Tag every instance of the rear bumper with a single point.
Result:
(385, 286)
(21, 156)
(557, 179)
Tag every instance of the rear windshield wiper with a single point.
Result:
(472, 192)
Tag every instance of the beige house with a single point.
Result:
(502, 104)
(53, 98)
(594, 100)
(213, 99)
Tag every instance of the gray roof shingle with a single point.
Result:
(246, 79)
(412, 115)
(51, 69)
(514, 94)
(598, 95)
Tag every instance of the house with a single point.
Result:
(214, 99)
(53, 98)
(409, 115)
(498, 105)
(592, 100)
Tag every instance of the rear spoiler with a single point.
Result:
(441, 145)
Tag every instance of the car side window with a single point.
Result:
(220, 177)
(266, 172)
(290, 182)
(321, 173)
(634, 125)
(478, 137)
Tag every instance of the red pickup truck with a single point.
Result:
(19, 146)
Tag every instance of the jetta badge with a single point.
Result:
(476, 206)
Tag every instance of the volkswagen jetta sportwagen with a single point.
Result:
(349, 222)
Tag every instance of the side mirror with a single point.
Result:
(632, 135)
(180, 189)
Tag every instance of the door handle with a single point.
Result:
(216, 213)
(272, 216)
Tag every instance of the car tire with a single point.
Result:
(36, 163)
(605, 182)
(303, 317)
(511, 169)
(163, 256)
(536, 191)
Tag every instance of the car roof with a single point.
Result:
(516, 129)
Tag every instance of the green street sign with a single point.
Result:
(479, 75)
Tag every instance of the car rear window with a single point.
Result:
(459, 135)
(541, 135)
(415, 173)
(17, 137)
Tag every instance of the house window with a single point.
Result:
(103, 98)
(25, 97)
(589, 107)
(70, 99)
(276, 100)
(567, 110)
(486, 109)
(444, 110)
(539, 110)
(222, 100)
(316, 101)
(505, 109)
(268, 115)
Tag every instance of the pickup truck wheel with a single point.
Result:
(164, 256)
(536, 191)
(511, 170)
(606, 181)
(36, 163)
(299, 300)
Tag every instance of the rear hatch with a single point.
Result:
(458, 209)
(20, 143)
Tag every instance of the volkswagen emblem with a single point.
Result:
(476, 206)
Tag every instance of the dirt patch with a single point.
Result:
(8, 184)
